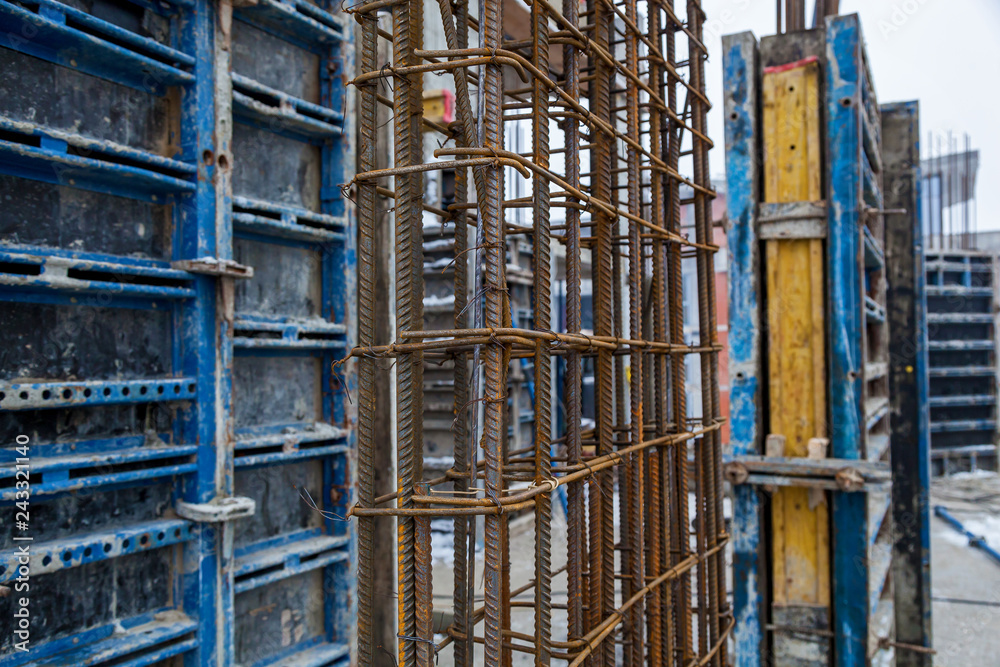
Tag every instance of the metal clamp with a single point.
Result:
(834, 474)
(218, 510)
(792, 220)
(210, 266)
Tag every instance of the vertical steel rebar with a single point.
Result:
(366, 337)
(423, 587)
(497, 354)
(407, 100)
(634, 468)
(708, 328)
(575, 513)
(543, 360)
(464, 527)
(658, 557)
(680, 538)
(602, 563)
(623, 218)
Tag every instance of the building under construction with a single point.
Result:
(294, 290)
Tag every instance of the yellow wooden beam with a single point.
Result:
(796, 332)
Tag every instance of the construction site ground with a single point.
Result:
(965, 582)
(522, 565)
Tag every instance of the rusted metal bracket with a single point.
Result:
(885, 211)
(792, 220)
(833, 474)
(210, 266)
(218, 510)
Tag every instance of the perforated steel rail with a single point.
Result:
(633, 113)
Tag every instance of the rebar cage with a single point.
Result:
(645, 583)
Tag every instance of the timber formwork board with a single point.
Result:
(962, 337)
(809, 392)
(796, 352)
(176, 276)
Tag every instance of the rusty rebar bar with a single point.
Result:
(632, 576)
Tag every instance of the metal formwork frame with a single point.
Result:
(632, 128)
(962, 289)
(203, 451)
(856, 347)
(908, 378)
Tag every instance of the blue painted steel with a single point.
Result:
(270, 109)
(976, 541)
(311, 653)
(253, 460)
(58, 167)
(969, 399)
(299, 22)
(851, 251)
(145, 638)
(59, 481)
(255, 216)
(322, 552)
(101, 169)
(923, 518)
(742, 141)
(73, 552)
(139, 266)
(961, 371)
(259, 332)
(849, 181)
(877, 517)
(340, 305)
(958, 290)
(207, 582)
(206, 334)
(874, 257)
(104, 50)
(984, 344)
(47, 395)
(964, 425)
(843, 119)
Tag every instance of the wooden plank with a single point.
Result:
(797, 467)
(796, 354)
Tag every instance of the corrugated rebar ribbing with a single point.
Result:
(613, 162)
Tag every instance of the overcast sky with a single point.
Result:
(944, 53)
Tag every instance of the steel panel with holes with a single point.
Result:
(176, 280)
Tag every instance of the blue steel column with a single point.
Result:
(340, 305)
(844, 187)
(207, 590)
(739, 54)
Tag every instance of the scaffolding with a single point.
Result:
(630, 152)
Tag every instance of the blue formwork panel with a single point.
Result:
(857, 337)
(166, 274)
(844, 108)
(740, 64)
(962, 371)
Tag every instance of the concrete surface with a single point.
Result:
(522, 571)
(522, 559)
(965, 582)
